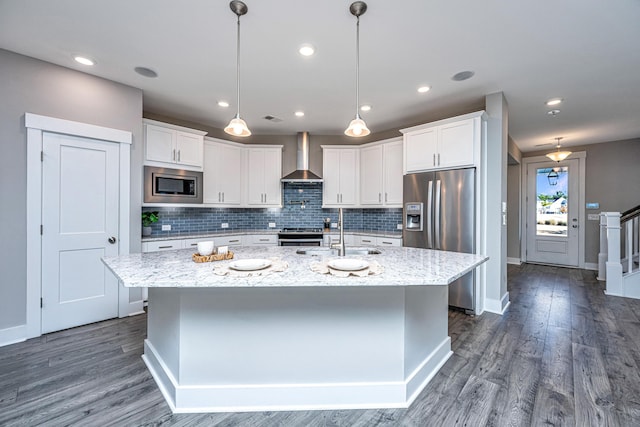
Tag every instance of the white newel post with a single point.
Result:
(613, 264)
(602, 255)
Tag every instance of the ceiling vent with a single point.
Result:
(273, 119)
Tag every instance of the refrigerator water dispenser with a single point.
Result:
(413, 216)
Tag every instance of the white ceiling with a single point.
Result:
(585, 51)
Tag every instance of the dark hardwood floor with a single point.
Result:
(563, 354)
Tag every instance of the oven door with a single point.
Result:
(283, 241)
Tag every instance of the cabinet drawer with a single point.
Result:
(228, 241)
(388, 241)
(162, 245)
(193, 243)
(262, 239)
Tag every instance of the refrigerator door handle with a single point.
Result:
(437, 214)
(429, 213)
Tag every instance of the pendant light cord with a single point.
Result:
(357, 67)
(238, 70)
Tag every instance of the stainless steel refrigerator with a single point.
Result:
(439, 213)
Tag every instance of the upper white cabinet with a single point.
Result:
(223, 172)
(381, 174)
(172, 146)
(445, 144)
(340, 172)
(264, 171)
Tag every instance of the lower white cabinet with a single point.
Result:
(261, 239)
(228, 240)
(162, 245)
(388, 241)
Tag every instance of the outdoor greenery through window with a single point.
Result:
(552, 190)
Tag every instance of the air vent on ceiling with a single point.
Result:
(273, 119)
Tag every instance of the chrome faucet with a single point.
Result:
(340, 244)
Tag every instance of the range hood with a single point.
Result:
(302, 172)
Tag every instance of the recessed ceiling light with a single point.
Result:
(423, 89)
(84, 60)
(365, 107)
(553, 113)
(462, 75)
(223, 104)
(299, 113)
(306, 50)
(146, 72)
(554, 101)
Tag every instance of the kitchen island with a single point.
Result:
(294, 339)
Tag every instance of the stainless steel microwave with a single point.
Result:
(164, 185)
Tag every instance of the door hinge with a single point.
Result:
(41, 303)
(41, 229)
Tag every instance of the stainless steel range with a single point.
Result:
(300, 237)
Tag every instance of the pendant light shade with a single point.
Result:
(558, 156)
(237, 126)
(357, 127)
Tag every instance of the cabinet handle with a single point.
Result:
(387, 243)
(366, 241)
(337, 197)
(264, 240)
(194, 244)
(223, 197)
(434, 159)
(165, 247)
(379, 197)
(178, 155)
(386, 196)
(234, 241)
(219, 199)
(438, 159)
(174, 155)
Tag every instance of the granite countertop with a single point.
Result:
(402, 267)
(333, 232)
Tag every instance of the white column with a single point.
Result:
(602, 255)
(613, 265)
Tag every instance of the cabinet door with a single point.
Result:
(331, 177)
(272, 176)
(392, 154)
(349, 175)
(372, 176)
(456, 144)
(222, 174)
(420, 150)
(189, 149)
(255, 176)
(159, 144)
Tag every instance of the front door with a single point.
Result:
(553, 205)
(80, 225)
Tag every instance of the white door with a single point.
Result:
(553, 204)
(80, 225)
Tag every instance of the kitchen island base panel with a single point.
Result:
(306, 348)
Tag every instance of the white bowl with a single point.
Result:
(205, 248)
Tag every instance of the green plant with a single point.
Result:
(149, 218)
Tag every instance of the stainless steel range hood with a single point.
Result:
(302, 172)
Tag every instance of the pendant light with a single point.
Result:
(558, 156)
(237, 126)
(357, 127)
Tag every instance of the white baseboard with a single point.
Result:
(591, 266)
(497, 306)
(515, 261)
(13, 335)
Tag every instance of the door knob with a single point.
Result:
(112, 240)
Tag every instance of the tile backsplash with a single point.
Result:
(302, 207)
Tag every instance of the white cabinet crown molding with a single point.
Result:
(481, 114)
(174, 127)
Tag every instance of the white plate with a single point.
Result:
(348, 264)
(249, 264)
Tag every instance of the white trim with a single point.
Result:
(276, 397)
(52, 124)
(513, 260)
(36, 125)
(582, 166)
(13, 335)
(497, 306)
(591, 266)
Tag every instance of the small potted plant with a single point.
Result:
(148, 218)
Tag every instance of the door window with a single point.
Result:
(552, 206)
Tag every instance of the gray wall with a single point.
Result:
(29, 85)
(612, 179)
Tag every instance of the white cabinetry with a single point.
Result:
(446, 144)
(162, 245)
(237, 240)
(264, 170)
(261, 239)
(381, 174)
(223, 173)
(341, 169)
(171, 146)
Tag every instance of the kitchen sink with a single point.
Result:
(334, 252)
